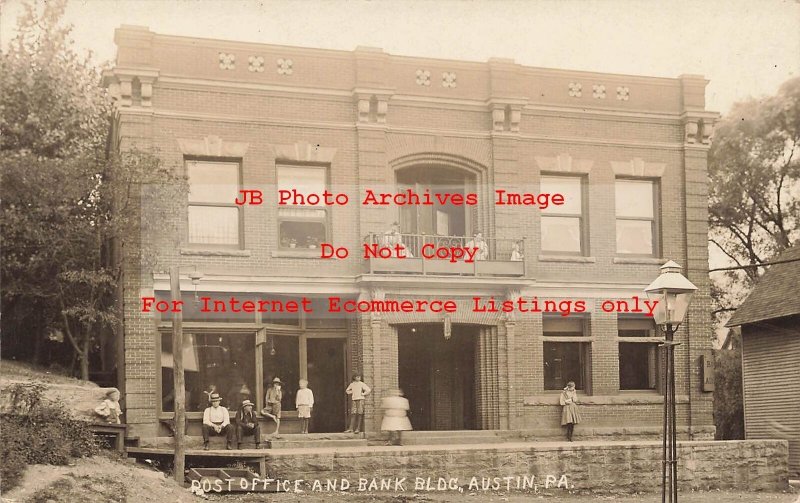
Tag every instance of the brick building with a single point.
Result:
(628, 153)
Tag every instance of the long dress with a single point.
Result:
(394, 414)
(569, 412)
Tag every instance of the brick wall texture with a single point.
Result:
(365, 114)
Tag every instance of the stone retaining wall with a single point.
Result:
(752, 465)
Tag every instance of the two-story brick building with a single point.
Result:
(627, 152)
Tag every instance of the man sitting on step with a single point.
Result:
(247, 423)
(217, 421)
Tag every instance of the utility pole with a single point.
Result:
(179, 387)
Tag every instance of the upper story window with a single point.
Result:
(302, 226)
(636, 204)
(564, 226)
(214, 218)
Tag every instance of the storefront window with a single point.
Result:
(282, 360)
(225, 362)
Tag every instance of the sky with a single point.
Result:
(745, 48)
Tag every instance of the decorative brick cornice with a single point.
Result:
(304, 152)
(564, 163)
(212, 146)
(637, 167)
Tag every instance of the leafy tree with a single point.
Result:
(754, 169)
(66, 199)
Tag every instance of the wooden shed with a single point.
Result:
(770, 321)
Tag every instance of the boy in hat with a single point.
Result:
(247, 423)
(217, 421)
(273, 401)
(357, 391)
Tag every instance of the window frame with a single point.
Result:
(583, 217)
(651, 339)
(586, 342)
(326, 220)
(239, 209)
(655, 228)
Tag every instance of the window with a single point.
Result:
(637, 225)
(224, 361)
(302, 226)
(638, 354)
(214, 218)
(563, 226)
(566, 358)
(282, 360)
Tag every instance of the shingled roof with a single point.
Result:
(777, 293)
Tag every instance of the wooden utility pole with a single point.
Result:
(179, 387)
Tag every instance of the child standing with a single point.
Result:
(304, 400)
(273, 401)
(110, 409)
(570, 415)
(357, 391)
(395, 420)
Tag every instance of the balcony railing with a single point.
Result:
(443, 255)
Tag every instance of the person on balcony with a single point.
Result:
(478, 243)
(217, 421)
(392, 238)
(516, 252)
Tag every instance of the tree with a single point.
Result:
(65, 196)
(754, 205)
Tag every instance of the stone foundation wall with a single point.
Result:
(752, 465)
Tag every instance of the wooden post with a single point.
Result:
(178, 378)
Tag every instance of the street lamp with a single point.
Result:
(672, 292)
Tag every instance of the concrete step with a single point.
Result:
(450, 437)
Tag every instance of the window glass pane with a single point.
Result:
(561, 234)
(638, 366)
(569, 187)
(304, 179)
(564, 362)
(636, 327)
(275, 316)
(635, 236)
(192, 310)
(225, 362)
(301, 235)
(213, 182)
(213, 225)
(573, 325)
(322, 317)
(634, 198)
(285, 364)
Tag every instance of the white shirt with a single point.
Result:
(358, 390)
(304, 397)
(216, 415)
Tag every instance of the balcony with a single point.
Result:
(443, 255)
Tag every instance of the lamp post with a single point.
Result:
(672, 291)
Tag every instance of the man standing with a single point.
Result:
(273, 401)
(217, 421)
(247, 423)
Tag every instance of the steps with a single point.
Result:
(456, 437)
(316, 441)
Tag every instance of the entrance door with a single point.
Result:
(438, 376)
(326, 377)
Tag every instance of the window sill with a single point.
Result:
(297, 253)
(624, 398)
(640, 260)
(209, 252)
(567, 258)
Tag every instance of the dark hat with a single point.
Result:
(277, 380)
(214, 397)
(246, 403)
